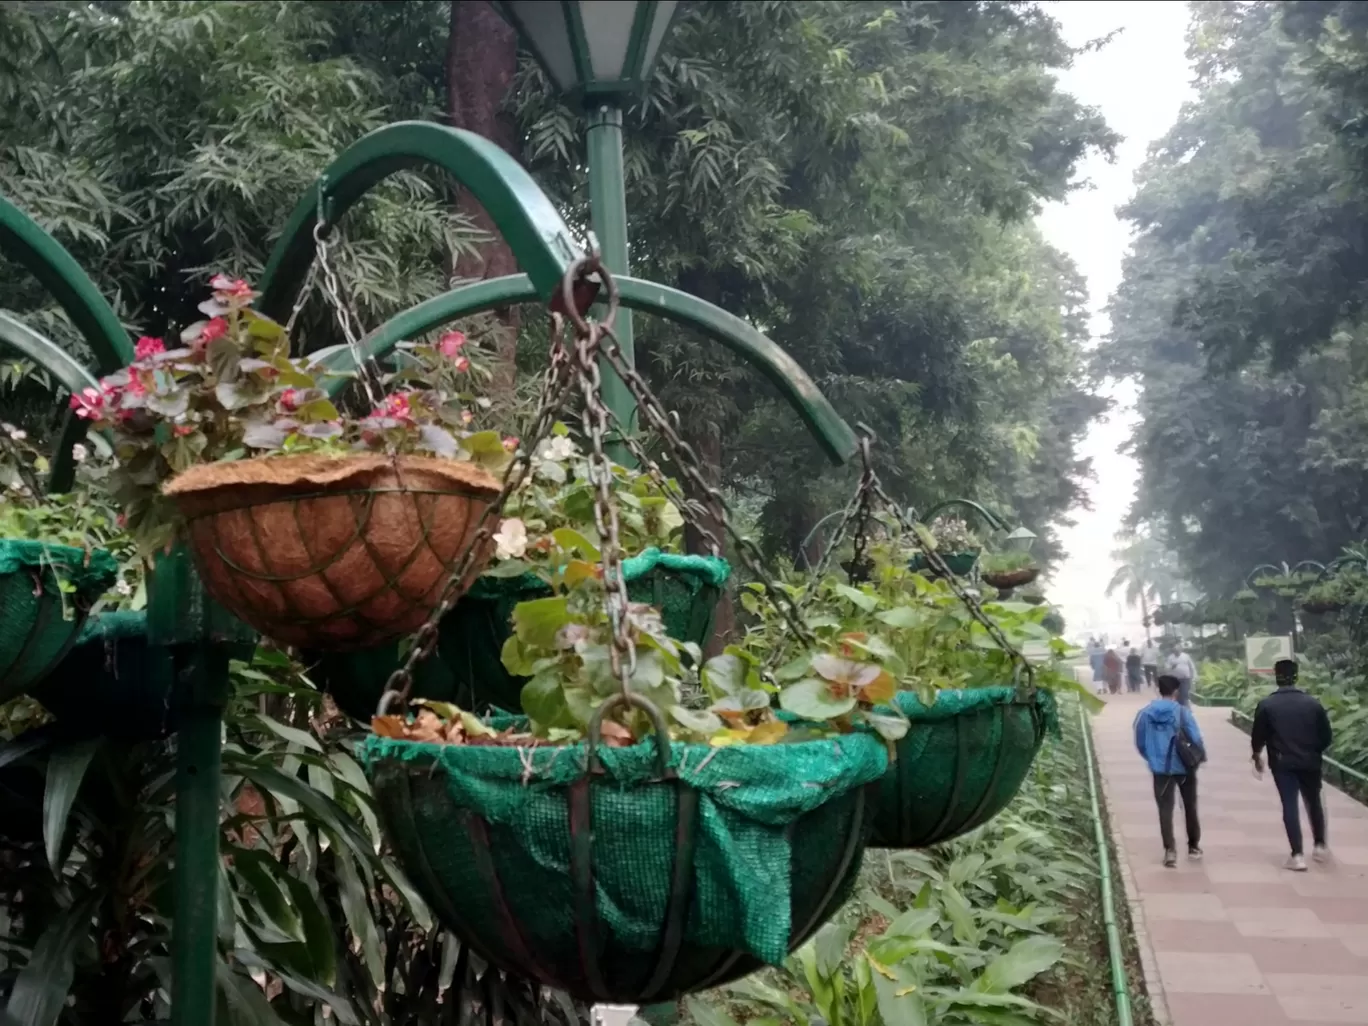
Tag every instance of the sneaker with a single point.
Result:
(1171, 859)
(1194, 853)
(1321, 853)
(1296, 863)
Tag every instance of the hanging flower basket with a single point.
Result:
(39, 620)
(1006, 580)
(629, 875)
(110, 682)
(962, 761)
(468, 669)
(337, 552)
(961, 564)
(1322, 605)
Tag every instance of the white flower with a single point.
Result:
(511, 540)
(18, 434)
(558, 449)
(79, 452)
(124, 588)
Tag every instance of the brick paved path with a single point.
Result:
(1235, 940)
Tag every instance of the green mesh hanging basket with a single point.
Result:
(961, 564)
(962, 761)
(110, 682)
(656, 872)
(39, 620)
(468, 669)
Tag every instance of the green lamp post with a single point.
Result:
(600, 51)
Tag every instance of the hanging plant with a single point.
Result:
(1007, 570)
(957, 545)
(311, 525)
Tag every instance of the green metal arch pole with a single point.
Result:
(46, 259)
(993, 520)
(528, 220)
(831, 432)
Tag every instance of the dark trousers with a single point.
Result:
(1151, 675)
(1307, 784)
(1167, 787)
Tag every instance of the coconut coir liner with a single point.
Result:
(339, 552)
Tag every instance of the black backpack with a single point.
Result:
(1190, 753)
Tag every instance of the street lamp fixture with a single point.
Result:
(1020, 540)
(602, 52)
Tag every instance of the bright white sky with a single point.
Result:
(1138, 82)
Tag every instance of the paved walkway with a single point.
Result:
(1235, 940)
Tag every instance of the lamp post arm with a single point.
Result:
(993, 520)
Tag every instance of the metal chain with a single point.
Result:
(555, 385)
(302, 300)
(366, 367)
(622, 654)
(691, 468)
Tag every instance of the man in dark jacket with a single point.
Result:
(1294, 728)
(1157, 728)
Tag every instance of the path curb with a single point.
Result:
(1149, 966)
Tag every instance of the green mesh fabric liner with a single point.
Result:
(110, 682)
(468, 668)
(489, 836)
(962, 761)
(37, 629)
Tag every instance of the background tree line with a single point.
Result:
(1241, 311)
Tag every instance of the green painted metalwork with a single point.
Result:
(608, 210)
(826, 425)
(46, 353)
(22, 240)
(530, 224)
(993, 520)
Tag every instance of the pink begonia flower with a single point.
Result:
(449, 345)
(89, 404)
(289, 400)
(510, 443)
(148, 347)
(462, 364)
(396, 407)
(231, 288)
(467, 416)
(212, 330)
(182, 430)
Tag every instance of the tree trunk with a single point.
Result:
(708, 444)
(482, 58)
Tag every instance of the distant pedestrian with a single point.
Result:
(1167, 736)
(1149, 659)
(1135, 674)
(1096, 656)
(1180, 665)
(1295, 729)
(1113, 666)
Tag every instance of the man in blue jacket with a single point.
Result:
(1157, 738)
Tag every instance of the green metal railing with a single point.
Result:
(1349, 780)
(1115, 952)
(1213, 703)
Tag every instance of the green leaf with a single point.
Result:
(854, 595)
(899, 1003)
(901, 617)
(1025, 960)
(318, 934)
(812, 700)
(543, 699)
(358, 915)
(889, 726)
(706, 1014)
(65, 770)
(291, 734)
(536, 621)
(40, 990)
(257, 871)
(570, 540)
(245, 1002)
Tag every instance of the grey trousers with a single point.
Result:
(1184, 691)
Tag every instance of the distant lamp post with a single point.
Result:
(1020, 540)
(600, 51)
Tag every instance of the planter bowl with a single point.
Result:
(111, 682)
(961, 564)
(1323, 605)
(337, 552)
(1006, 580)
(961, 762)
(467, 668)
(655, 873)
(38, 620)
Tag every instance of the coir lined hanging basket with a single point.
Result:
(39, 620)
(1005, 580)
(467, 668)
(111, 682)
(962, 761)
(337, 552)
(637, 876)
